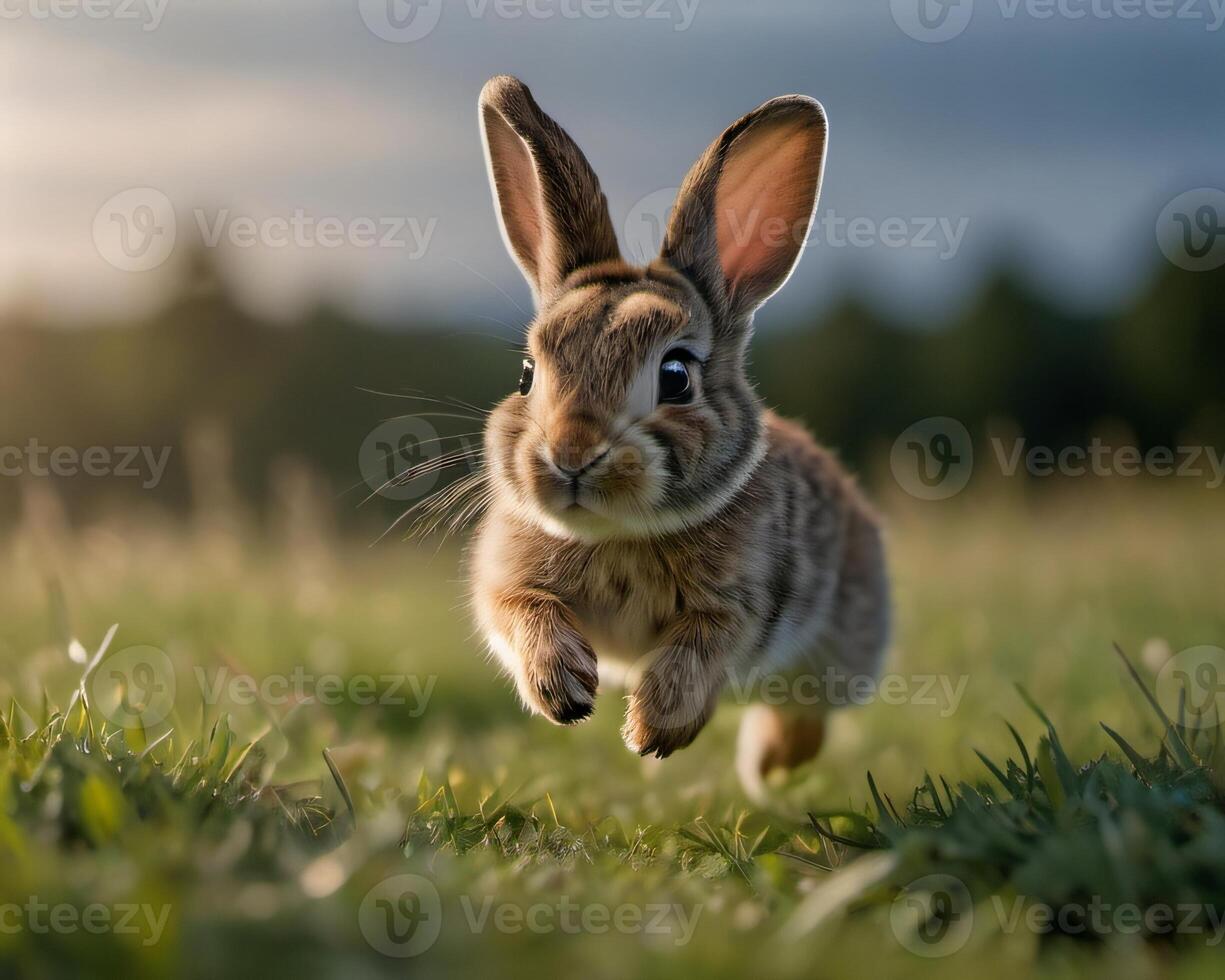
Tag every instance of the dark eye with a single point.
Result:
(675, 387)
(525, 379)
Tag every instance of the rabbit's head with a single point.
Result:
(634, 415)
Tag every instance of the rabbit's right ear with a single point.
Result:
(744, 212)
(553, 215)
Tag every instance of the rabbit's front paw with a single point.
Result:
(671, 704)
(560, 680)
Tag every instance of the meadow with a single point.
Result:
(287, 721)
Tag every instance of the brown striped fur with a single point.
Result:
(697, 542)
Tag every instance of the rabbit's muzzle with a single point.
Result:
(576, 445)
(584, 464)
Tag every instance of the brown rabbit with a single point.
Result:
(649, 516)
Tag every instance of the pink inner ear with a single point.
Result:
(764, 205)
(518, 187)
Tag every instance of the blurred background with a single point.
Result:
(230, 219)
(250, 271)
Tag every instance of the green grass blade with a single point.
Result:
(1178, 746)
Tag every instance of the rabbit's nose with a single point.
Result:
(571, 465)
(576, 444)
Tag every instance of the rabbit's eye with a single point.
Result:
(675, 385)
(525, 379)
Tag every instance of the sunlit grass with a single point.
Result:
(228, 812)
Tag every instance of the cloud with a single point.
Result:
(1065, 136)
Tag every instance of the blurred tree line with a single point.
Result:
(313, 391)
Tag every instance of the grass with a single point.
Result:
(263, 826)
(1135, 831)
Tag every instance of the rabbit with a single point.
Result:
(650, 521)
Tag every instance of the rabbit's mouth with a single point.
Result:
(580, 520)
(597, 483)
(575, 497)
(608, 499)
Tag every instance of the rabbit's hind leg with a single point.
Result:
(776, 737)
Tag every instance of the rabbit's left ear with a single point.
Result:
(553, 214)
(744, 212)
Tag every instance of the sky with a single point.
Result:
(329, 151)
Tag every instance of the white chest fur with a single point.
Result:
(628, 597)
